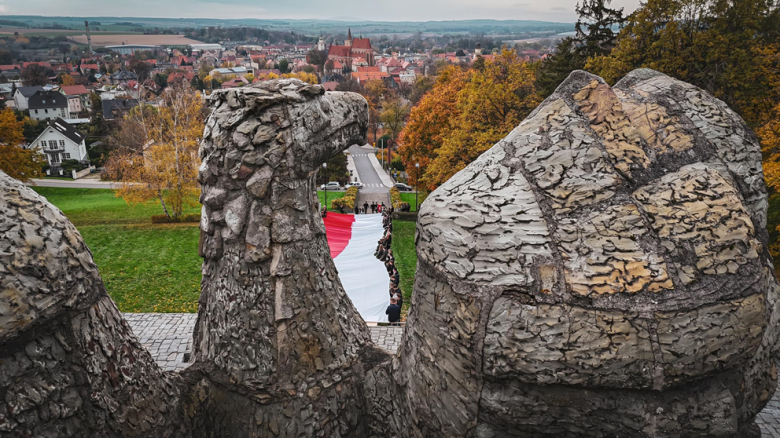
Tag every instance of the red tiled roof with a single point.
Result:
(361, 43)
(235, 82)
(175, 76)
(41, 63)
(9, 67)
(368, 69)
(330, 86)
(71, 90)
(89, 67)
(342, 51)
(365, 76)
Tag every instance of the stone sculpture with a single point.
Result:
(602, 271)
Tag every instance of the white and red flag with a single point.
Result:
(352, 240)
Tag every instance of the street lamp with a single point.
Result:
(325, 166)
(416, 177)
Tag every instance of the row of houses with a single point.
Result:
(47, 103)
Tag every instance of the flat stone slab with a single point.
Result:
(168, 336)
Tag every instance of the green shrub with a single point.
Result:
(395, 197)
(163, 219)
(348, 201)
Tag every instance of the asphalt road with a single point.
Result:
(368, 176)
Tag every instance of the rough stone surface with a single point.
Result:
(69, 363)
(602, 271)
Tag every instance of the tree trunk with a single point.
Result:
(162, 202)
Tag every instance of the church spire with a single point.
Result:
(348, 42)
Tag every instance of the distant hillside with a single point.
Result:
(487, 27)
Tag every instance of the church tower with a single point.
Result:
(348, 42)
(321, 44)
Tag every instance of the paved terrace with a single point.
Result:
(168, 336)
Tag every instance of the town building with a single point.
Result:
(130, 49)
(354, 51)
(122, 77)
(22, 96)
(78, 98)
(60, 141)
(117, 108)
(48, 105)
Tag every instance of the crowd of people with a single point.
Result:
(374, 206)
(384, 253)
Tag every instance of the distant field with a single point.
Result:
(51, 33)
(117, 38)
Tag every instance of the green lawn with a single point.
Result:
(145, 267)
(155, 267)
(331, 196)
(101, 207)
(410, 199)
(405, 257)
(148, 268)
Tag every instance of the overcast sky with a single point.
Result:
(384, 10)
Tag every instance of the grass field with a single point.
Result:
(146, 267)
(410, 199)
(331, 196)
(405, 257)
(117, 38)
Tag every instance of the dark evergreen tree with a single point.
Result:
(596, 33)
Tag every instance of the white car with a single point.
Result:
(333, 185)
(355, 184)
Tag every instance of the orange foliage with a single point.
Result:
(464, 115)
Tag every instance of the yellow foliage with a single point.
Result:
(249, 77)
(11, 129)
(160, 160)
(309, 78)
(68, 80)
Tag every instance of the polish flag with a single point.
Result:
(352, 240)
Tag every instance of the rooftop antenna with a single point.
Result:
(89, 39)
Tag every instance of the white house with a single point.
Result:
(61, 141)
(23, 94)
(48, 105)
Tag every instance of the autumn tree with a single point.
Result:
(717, 45)
(141, 69)
(373, 91)
(157, 157)
(393, 116)
(11, 128)
(431, 121)
(33, 75)
(465, 114)
(67, 80)
(18, 163)
(310, 78)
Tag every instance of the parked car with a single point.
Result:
(355, 184)
(333, 185)
(403, 187)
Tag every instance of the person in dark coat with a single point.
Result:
(393, 311)
(365, 207)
